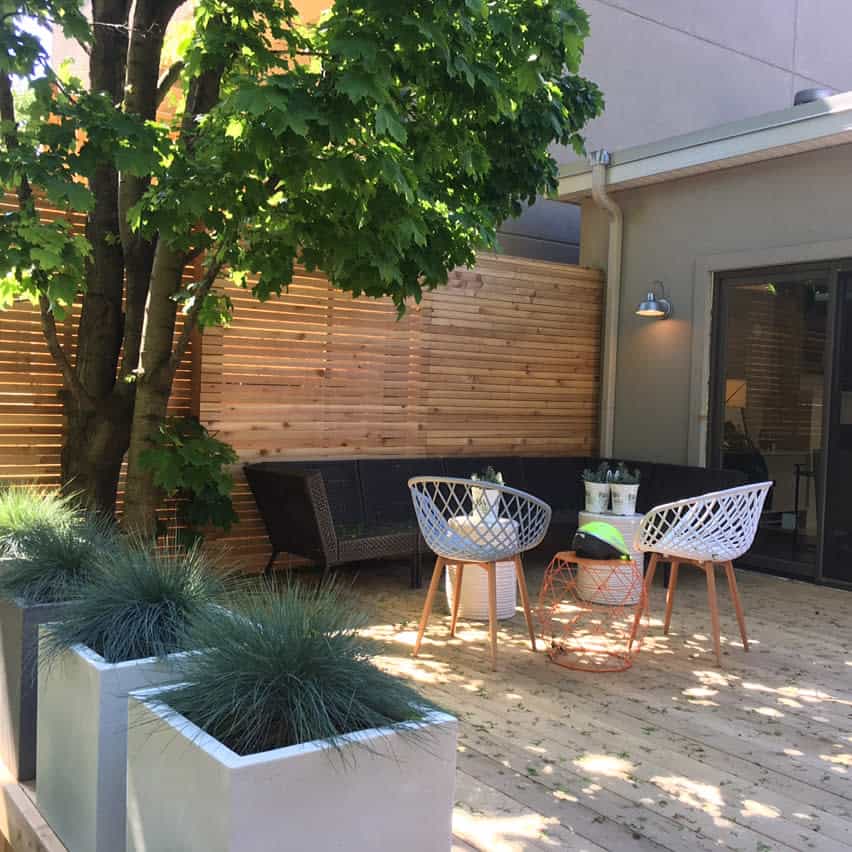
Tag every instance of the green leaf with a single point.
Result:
(387, 122)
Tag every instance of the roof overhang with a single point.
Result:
(820, 124)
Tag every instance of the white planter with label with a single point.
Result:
(624, 498)
(486, 503)
(387, 789)
(597, 496)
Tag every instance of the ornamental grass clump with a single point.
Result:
(28, 508)
(287, 667)
(139, 602)
(49, 562)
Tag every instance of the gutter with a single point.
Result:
(600, 163)
(821, 124)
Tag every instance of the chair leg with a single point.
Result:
(427, 606)
(649, 579)
(525, 598)
(491, 568)
(710, 570)
(457, 587)
(670, 594)
(735, 596)
(637, 619)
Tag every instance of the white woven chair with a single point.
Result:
(713, 529)
(467, 522)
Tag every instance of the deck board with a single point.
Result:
(673, 754)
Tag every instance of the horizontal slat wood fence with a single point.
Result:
(30, 382)
(505, 359)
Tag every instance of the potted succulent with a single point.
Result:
(625, 489)
(597, 485)
(486, 501)
(48, 547)
(121, 633)
(284, 728)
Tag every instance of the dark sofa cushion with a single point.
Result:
(556, 480)
(671, 482)
(384, 487)
(509, 466)
(343, 488)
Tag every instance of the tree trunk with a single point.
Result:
(153, 387)
(97, 432)
(92, 454)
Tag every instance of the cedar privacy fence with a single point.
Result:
(503, 360)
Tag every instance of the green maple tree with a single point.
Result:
(383, 146)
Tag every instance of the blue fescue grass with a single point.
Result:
(50, 561)
(139, 602)
(285, 667)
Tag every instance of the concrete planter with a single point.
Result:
(186, 791)
(19, 626)
(82, 745)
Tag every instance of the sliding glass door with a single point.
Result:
(772, 342)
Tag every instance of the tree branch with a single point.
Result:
(69, 374)
(191, 317)
(142, 97)
(169, 79)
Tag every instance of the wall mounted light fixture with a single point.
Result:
(654, 306)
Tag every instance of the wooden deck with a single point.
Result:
(673, 754)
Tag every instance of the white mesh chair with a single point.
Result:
(713, 529)
(468, 522)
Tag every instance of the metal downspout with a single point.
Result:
(612, 299)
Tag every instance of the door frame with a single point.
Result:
(831, 270)
(837, 298)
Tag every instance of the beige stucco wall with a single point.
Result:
(781, 211)
(674, 66)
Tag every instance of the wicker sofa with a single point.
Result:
(338, 512)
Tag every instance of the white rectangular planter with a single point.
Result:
(19, 625)
(186, 791)
(82, 745)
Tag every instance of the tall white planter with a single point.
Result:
(186, 791)
(82, 745)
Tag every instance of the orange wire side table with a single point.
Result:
(581, 634)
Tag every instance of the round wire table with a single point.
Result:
(582, 634)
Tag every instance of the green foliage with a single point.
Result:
(50, 561)
(600, 475)
(488, 475)
(390, 152)
(189, 463)
(138, 602)
(623, 475)
(24, 508)
(287, 667)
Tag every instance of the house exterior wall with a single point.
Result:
(668, 67)
(781, 211)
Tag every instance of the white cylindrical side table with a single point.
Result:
(473, 603)
(612, 591)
